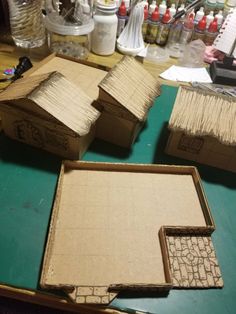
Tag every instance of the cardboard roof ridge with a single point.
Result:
(132, 86)
(202, 113)
(57, 96)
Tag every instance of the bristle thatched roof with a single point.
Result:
(200, 113)
(132, 86)
(58, 97)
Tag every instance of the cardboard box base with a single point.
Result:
(28, 129)
(105, 223)
(204, 149)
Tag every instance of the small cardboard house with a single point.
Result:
(49, 112)
(125, 96)
(203, 128)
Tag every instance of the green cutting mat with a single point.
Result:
(28, 180)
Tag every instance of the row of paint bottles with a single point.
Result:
(209, 17)
(206, 34)
(157, 27)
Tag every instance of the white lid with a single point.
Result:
(219, 17)
(162, 7)
(212, 1)
(57, 28)
(199, 14)
(220, 1)
(172, 9)
(181, 7)
(211, 13)
(152, 7)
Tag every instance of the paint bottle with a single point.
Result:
(187, 30)
(152, 27)
(172, 9)
(200, 29)
(220, 19)
(162, 8)
(122, 18)
(152, 7)
(163, 29)
(209, 18)
(210, 5)
(211, 33)
(199, 15)
(145, 21)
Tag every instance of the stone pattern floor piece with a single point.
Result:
(193, 262)
(92, 295)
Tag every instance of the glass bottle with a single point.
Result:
(200, 29)
(152, 27)
(26, 22)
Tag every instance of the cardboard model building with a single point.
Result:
(125, 97)
(49, 112)
(128, 226)
(203, 128)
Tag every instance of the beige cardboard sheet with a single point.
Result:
(105, 230)
(86, 77)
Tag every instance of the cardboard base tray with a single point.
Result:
(110, 230)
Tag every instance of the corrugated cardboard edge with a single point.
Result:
(51, 233)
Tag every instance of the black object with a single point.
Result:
(223, 72)
(24, 65)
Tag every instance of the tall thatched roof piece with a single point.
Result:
(54, 96)
(199, 112)
(132, 86)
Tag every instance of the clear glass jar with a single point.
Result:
(103, 37)
(71, 40)
(26, 21)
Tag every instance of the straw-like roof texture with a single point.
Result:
(57, 96)
(197, 112)
(132, 86)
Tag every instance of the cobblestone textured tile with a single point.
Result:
(193, 262)
(93, 295)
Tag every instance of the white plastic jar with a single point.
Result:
(103, 37)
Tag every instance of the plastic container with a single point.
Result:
(157, 54)
(26, 21)
(72, 40)
(103, 37)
